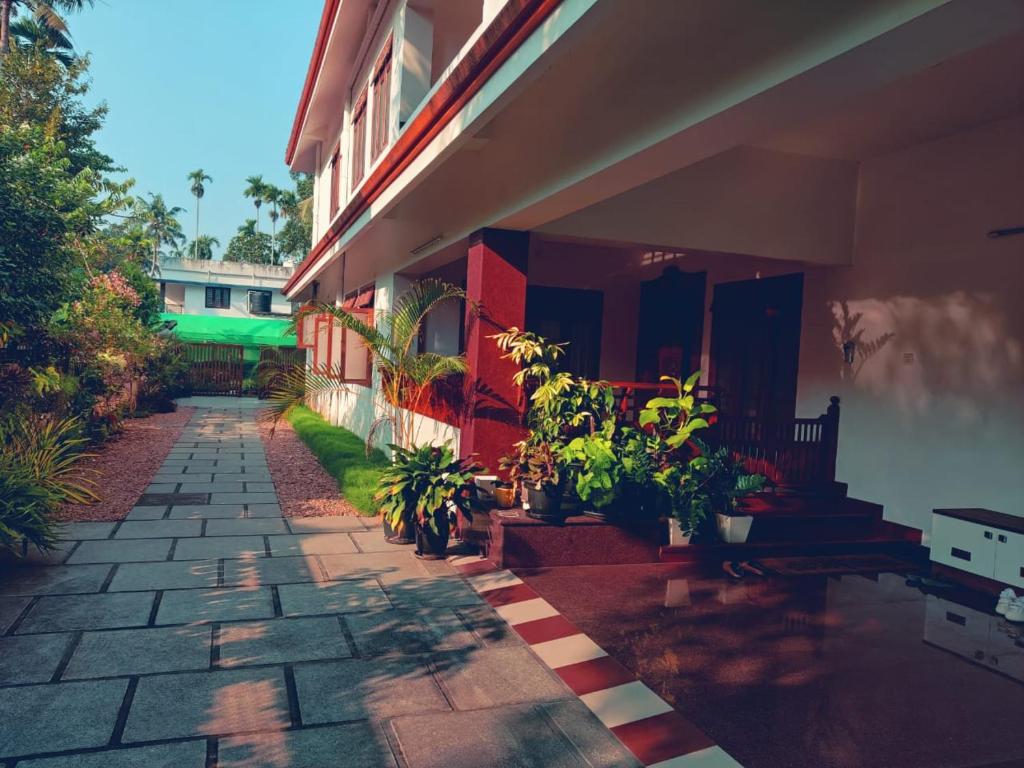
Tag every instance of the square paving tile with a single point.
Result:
(325, 524)
(191, 606)
(139, 652)
(161, 488)
(590, 736)
(259, 486)
(243, 498)
(187, 754)
(366, 689)
(388, 632)
(282, 640)
(389, 567)
(272, 570)
(31, 659)
(68, 612)
(156, 499)
(354, 745)
(62, 717)
(509, 736)
(214, 547)
(258, 476)
(146, 513)
(154, 529)
(331, 597)
(312, 544)
(67, 579)
(491, 677)
(118, 551)
(200, 512)
(199, 703)
(212, 487)
(372, 541)
(10, 610)
(248, 526)
(435, 592)
(264, 510)
(83, 531)
(173, 575)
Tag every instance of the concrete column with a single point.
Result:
(496, 292)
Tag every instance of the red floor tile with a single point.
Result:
(594, 675)
(508, 595)
(542, 630)
(661, 737)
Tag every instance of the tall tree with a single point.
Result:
(161, 223)
(256, 191)
(44, 12)
(202, 247)
(249, 245)
(273, 196)
(32, 33)
(198, 178)
(297, 208)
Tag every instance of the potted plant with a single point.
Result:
(536, 469)
(597, 471)
(425, 487)
(711, 485)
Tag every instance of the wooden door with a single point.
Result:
(671, 325)
(755, 346)
(569, 315)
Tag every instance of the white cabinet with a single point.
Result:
(980, 542)
(1010, 558)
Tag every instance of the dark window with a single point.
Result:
(217, 297)
(359, 139)
(335, 181)
(381, 129)
(259, 302)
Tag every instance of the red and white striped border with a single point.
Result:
(644, 722)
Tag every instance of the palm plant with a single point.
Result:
(405, 375)
(45, 13)
(161, 223)
(202, 247)
(273, 196)
(198, 178)
(32, 33)
(257, 191)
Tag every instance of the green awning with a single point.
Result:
(247, 331)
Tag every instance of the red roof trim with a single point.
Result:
(319, 49)
(509, 29)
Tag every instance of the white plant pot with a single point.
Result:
(676, 537)
(734, 529)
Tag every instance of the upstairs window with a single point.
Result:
(381, 81)
(218, 297)
(335, 181)
(359, 139)
(259, 302)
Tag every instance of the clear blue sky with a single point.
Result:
(209, 84)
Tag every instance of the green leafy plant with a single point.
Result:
(424, 484)
(713, 482)
(596, 468)
(673, 420)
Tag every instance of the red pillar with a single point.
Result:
(496, 292)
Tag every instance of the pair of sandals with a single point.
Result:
(737, 569)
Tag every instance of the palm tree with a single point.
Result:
(32, 33)
(202, 247)
(273, 196)
(162, 224)
(256, 190)
(198, 178)
(406, 376)
(44, 12)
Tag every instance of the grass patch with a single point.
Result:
(343, 455)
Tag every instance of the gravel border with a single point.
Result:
(304, 488)
(124, 465)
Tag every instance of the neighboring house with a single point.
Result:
(802, 199)
(223, 288)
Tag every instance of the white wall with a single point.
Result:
(195, 302)
(934, 415)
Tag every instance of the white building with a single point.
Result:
(223, 288)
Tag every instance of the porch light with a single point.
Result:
(423, 246)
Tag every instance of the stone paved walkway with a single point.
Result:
(221, 634)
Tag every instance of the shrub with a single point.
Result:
(38, 457)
